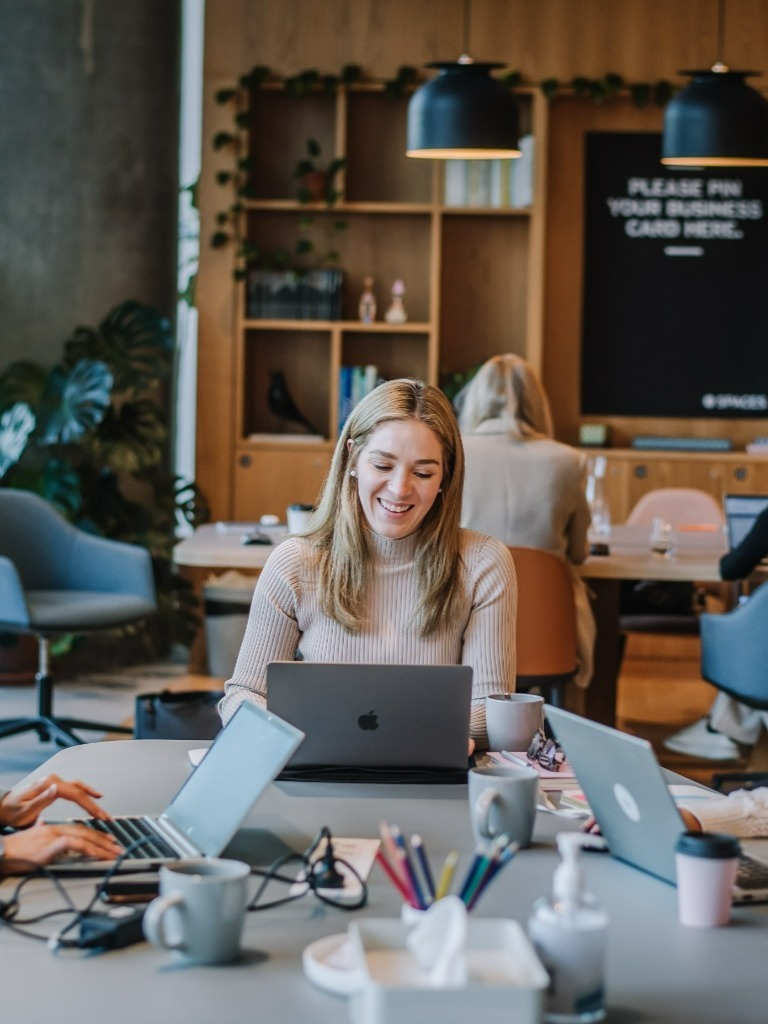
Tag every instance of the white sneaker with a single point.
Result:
(701, 740)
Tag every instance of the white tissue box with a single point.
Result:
(505, 977)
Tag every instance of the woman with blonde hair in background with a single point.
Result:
(384, 573)
(521, 485)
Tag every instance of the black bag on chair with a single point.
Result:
(180, 715)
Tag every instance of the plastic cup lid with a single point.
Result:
(708, 844)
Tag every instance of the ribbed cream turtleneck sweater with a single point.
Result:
(285, 620)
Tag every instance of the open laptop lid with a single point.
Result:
(374, 716)
(244, 758)
(741, 511)
(626, 790)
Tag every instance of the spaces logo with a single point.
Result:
(744, 403)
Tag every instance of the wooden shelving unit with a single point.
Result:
(472, 277)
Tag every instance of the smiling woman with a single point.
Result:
(384, 573)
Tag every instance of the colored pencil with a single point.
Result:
(406, 865)
(394, 879)
(446, 875)
(417, 844)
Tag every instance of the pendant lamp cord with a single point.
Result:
(465, 58)
(720, 65)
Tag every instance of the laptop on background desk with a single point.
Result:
(741, 511)
(393, 723)
(626, 790)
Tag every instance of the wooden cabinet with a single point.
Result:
(472, 277)
(630, 474)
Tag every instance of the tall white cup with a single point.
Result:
(297, 517)
(200, 911)
(706, 865)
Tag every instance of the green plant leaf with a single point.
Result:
(75, 401)
(134, 340)
(16, 424)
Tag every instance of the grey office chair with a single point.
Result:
(733, 654)
(56, 579)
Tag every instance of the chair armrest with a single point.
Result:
(13, 606)
(111, 566)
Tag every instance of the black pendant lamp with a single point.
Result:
(463, 112)
(717, 120)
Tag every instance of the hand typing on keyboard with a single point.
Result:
(38, 843)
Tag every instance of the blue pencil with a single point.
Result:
(417, 844)
(407, 865)
(476, 859)
(505, 856)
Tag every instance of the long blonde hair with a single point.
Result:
(339, 530)
(506, 388)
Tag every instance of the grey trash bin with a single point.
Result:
(226, 613)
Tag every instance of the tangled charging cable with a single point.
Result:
(319, 874)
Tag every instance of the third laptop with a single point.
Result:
(627, 792)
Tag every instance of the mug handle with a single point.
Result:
(154, 920)
(482, 812)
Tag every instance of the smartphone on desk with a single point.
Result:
(130, 890)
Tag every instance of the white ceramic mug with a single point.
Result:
(297, 517)
(502, 801)
(706, 864)
(200, 911)
(512, 719)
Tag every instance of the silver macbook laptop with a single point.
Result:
(741, 511)
(209, 808)
(629, 797)
(408, 721)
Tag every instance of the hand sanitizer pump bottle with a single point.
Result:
(568, 932)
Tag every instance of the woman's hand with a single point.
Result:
(21, 808)
(42, 844)
(471, 750)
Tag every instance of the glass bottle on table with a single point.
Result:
(599, 533)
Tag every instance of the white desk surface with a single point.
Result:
(219, 546)
(657, 971)
(696, 558)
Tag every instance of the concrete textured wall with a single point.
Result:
(88, 165)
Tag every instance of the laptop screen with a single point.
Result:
(246, 755)
(741, 511)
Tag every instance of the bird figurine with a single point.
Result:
(282, 405)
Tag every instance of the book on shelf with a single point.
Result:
(499, 184)
(355, 382)
(294, 295)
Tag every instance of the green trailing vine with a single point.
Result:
(237, 177)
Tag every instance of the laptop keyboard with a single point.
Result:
(128, 830)
(752, 874)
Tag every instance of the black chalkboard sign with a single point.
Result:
(675, 312)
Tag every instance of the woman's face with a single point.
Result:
(399, 473)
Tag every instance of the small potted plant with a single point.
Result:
(317, 183)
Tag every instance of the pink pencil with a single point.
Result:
(398, 884)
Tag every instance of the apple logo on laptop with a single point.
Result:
(369, 721)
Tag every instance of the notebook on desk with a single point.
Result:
(741, 511)
(399, 723)
(629, 797)
(209, 808)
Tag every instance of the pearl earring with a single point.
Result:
(353, 472)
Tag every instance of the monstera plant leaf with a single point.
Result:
(134, 340)
(75, 402)
(131, 440)
(16, 424)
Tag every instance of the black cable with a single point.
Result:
(312, 879)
